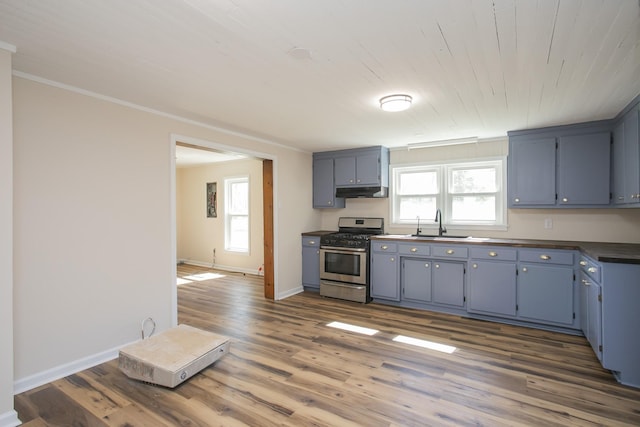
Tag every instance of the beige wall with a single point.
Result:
(197, 235)
(7, 414)
(93, 219)
(603, 225)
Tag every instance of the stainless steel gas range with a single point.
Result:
(344, 259)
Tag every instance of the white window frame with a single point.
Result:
(444, 198)
(229, 215)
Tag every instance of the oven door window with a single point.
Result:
(341, 263)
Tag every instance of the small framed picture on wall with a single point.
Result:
(212, 200)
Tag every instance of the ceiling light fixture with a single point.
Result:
(395, 102)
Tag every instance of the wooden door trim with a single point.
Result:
(267, 207)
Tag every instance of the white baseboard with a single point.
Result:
(9, 419)
(222, 267)
(57, 372)
(291, 292)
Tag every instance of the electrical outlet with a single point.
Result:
(548, 223)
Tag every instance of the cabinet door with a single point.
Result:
(532, 172)
(311, 266)
(585, 282)
(345, 170)
(416, 279)
(368, 169)
(618, 177)
(591, 313)
(632, 156)
(492, 288)
(384, 276)
(448, 283)
(324, 193)
(584, 165)
(594, 308)
(545, 293)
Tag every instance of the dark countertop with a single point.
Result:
(624, 253)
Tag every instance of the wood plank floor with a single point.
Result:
(287, 368)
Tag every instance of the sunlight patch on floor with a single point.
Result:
(181, 281)
(425, 344)
(353, 328)
(204, 276)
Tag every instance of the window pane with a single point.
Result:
(473, 181)
(239, 232)
(237, 214)
(239, 198)
(412, 207)
(418, 183)
(473, 208)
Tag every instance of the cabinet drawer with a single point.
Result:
(411, 249)
(544, 256)
(590, 268)
(499, 254)
(313, 241)
(452, 251)
(384, 247)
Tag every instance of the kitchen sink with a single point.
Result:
(443, 237)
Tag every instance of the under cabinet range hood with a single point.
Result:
(362, 192)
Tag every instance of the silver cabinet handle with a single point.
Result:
(414, 249)
(585, 282)
(426, 265)
(437, 265)
(524, 269)
(592, 269)
(517, 200)
(318, 251)
(620, 197)
(583, 263)
(392, 259)
(312, 242)
(384, 247)
(450, 251)
(493, 253)
(545, 257)
(565, 200)
(475, 265)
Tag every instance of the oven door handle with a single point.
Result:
(342, 250)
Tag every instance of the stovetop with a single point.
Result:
(353, 233)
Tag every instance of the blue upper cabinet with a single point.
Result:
(532, 172)
(324, 192)
(626, 158)
(362, 167)
(560, 167)
(584, 169)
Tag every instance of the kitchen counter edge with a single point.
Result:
(621, 253)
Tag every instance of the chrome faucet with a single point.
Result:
(441, 229)
(418, 231)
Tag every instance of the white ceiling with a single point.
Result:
(474, 67)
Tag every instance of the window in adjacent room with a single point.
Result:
(237, 214)
(469, 194)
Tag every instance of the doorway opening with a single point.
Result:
(219, 153)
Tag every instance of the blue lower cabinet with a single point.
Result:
(492, 288)
(384, 271)
(311, 262)
(545, 294)
(416, 279)
(448, 283)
